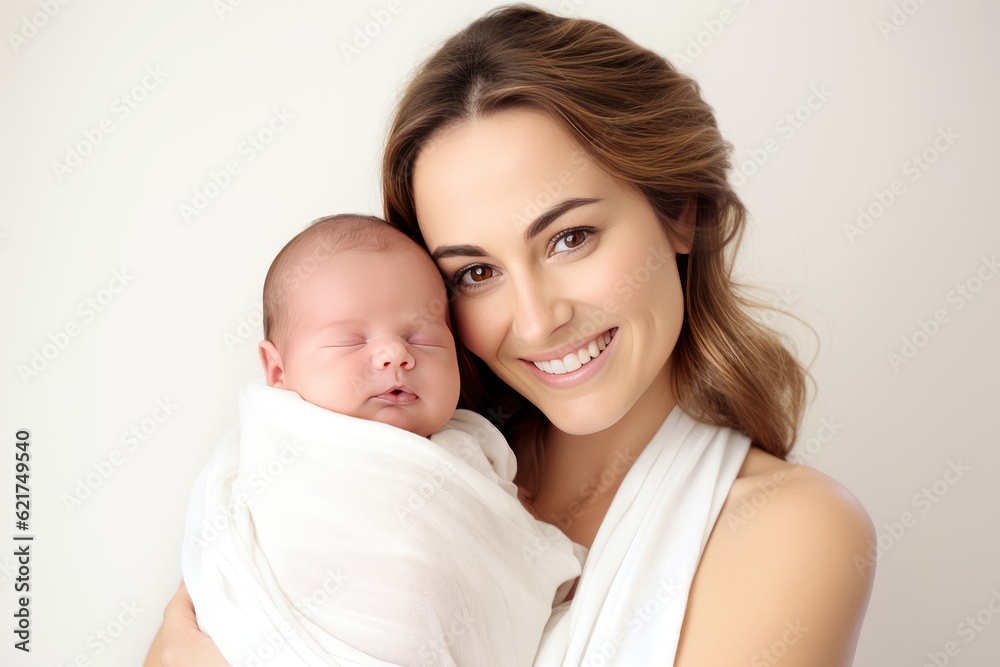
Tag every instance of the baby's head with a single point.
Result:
(356, 321)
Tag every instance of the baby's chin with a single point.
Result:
(408, 423)
(418, 424)
(412, 417)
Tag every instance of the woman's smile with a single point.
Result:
(570, 357)
(577, 366)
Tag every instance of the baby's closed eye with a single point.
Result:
(345, 343)
(426, 342)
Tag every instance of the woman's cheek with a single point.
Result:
(476, 328)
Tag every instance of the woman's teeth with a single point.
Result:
(575, 360)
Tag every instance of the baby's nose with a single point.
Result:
(393, 352)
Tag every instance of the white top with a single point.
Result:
(630, 601)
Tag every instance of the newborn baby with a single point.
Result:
(369, 522)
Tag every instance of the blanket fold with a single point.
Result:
(314, 538)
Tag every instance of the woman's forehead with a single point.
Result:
(504, 169)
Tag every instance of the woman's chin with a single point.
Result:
(584, 419)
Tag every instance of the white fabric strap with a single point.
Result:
(630, 602)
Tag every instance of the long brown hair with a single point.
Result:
(645, 123)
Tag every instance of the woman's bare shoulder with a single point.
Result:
(787, 571)
(769, 486)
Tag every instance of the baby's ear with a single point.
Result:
(270, 360)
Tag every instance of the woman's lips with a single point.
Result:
(580, 375)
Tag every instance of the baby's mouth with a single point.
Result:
(397, 396)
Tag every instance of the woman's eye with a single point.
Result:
(480, 273)
(571, 239)
(477, 273)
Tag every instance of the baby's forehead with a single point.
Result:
(354, 280)
(388, 260)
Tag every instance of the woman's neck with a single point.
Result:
(580, 474)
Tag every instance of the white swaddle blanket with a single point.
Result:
(314, 538)
(629, 603)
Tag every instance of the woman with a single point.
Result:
(572, 188)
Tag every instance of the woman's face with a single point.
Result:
(553, 263)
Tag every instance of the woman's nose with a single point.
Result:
(392, 352)
(538, 310)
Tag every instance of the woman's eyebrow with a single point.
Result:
(533, 230)
(550, 216)
(458, 251)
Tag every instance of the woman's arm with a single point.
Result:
(155, 650)
(786, 582)
(179, 642)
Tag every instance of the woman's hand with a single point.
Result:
(180, 643)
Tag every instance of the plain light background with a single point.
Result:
(885, 79)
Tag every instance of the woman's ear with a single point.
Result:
(274, 368)
(682, 231)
